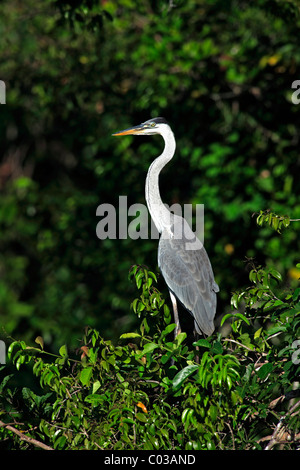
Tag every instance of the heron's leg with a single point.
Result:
(176, 316)
(197, 336)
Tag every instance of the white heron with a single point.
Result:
(182, 258)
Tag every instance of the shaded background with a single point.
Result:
(75, 72)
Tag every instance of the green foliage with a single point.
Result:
(275, 221)
(220, 72)
(85, 13)
(153, 392)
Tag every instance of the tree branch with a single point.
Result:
(23, 437)
(279, 435)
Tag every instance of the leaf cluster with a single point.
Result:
(275, 221)
(152, 391)
(219, 72)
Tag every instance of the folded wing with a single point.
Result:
(189, 275)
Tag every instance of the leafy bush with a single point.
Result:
(151, 391)
(220, 72)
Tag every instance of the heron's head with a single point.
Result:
(153, 126)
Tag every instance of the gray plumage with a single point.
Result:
(182, 258)
(188, 274)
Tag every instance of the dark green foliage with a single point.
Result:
(220, 72)
(152, 392)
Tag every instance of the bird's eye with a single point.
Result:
(152, 124)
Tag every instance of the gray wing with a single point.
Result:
(189, 275)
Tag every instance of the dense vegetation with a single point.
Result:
(149, 392)
(222, 74)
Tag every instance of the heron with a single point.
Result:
(182, 258)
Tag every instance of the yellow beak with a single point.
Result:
(132, 130)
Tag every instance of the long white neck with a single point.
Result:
(159, 213)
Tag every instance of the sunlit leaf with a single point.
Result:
(184, 374)
(85, 375)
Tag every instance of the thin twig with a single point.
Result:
(23, 437)
(232, 436)
(239, 344)
(276, 438)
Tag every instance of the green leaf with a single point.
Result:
(275, 274)
(183, 374)
(95, 399)
(186, 414)
(259, 219)
(258, 333)
(233, 316)
(150, 273)
(86, 375)
(134, 305)
(213, 412)
(4, 382)
(246, 341)
(233, 302)
(96, 386)
(141, 417)
(264, 370)
(180, 338)
(296, 294)
(286, 222)
(242, 317)
(130, 336)
(60, 442)
(217, 348)
(168, 330)
(253, 275)
(276, 329)
(203, 343)
(63, 351)
(149, 347)
(144, 327)
(275, 223)
(166, 357)
(225, 317)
